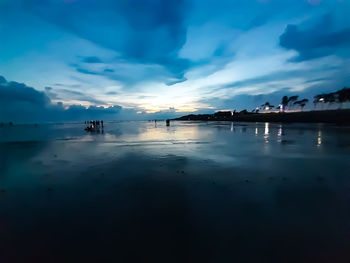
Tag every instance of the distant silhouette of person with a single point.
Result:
(94, 126)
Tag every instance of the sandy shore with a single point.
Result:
(191, 192)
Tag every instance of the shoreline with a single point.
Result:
(325, 116)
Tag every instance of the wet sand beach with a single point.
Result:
(190, 192)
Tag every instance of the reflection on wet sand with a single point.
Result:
(188, 192)
(171, 133)
(279, 134)
(319, 138)
(266, 132)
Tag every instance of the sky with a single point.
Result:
(66, 60)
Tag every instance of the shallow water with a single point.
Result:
(191, 192)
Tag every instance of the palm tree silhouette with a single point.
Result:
(301, 103)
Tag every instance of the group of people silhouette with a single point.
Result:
(93, 125)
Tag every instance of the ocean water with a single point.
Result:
(190, 192)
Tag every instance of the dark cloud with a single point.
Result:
(111, 93)
(91, 60)
(316, 80)
(132, 73)
(175, 81)
(2, 80)
(86, 71)
(315, 42)
(78, 112)
(147, 31)
(51, 94)
(67, 85)
(20, 103)
(19, 92)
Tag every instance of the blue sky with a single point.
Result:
(162, 58)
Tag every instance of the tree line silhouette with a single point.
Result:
(339, 97)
